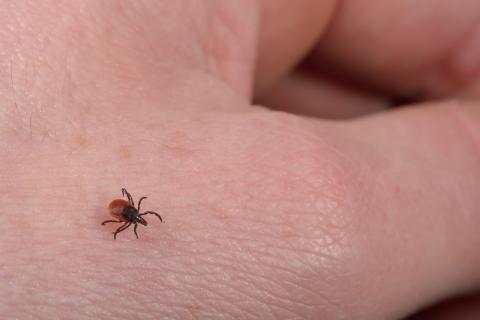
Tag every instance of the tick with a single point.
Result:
(125, 211)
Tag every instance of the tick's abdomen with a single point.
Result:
(117, 209)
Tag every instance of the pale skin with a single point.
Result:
(268, 215)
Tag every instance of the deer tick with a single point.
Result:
(125, 211)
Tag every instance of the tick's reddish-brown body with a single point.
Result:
(116, 208)
(125, 211)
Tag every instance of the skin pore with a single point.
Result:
(267, 214)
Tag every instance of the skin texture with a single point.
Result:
(268, 214)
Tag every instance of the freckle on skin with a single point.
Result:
(223, 169)
(81, 141)
(125, 153)
(396, 189)
(87, 109)
(180, 134)
(9, 133)
(218, 213)
(193, 307)
(287, 232)
(44, 133)
(179, 151)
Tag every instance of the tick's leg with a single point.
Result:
(108, 221)
(151, 212)
(123, 227)
(135, 229)
(139, 202)
(129, 196)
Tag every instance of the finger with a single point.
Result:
(420, 219)
(465, 308)
(302, 92)
(409, 48)
(288, 30)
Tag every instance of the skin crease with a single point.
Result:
(267, 215)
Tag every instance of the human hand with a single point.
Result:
(267, 214)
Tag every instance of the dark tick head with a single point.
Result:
(130, 214)
(142, 221)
